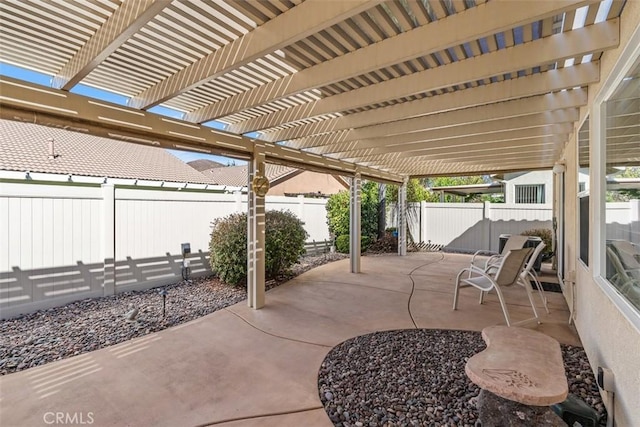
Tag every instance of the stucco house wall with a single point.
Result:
(307, 182)
(528, 178)
(611, 339)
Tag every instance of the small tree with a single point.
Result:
(284, 244)
(338, 211)
(416, 192)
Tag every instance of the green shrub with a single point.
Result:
(284, 243)
(338, 211)
(546, 235)
(228, 248)
(342, 243)
(365, 242)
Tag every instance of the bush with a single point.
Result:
(388, 244)
(342, 243)
(547, 237)
(284, 243)
(365, 242)
(285, 237)
(228, 248)
(338, 211)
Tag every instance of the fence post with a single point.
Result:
(238, 196)
(402, 219)
(300, 206)
(486, 219)
(423, 221)
(354, 223)
(108, 239)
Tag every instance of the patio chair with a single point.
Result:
(507, 274)
(629, 255)
(529, 275)
(515, 241)
(628, 285)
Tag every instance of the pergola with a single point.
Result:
(371, 89)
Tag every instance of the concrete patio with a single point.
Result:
(240, 366)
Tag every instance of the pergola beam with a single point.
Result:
(473, 24)
(523, 87)
(579, 42)
(551, 102)
(52, 107)
(531, 148)
(483, 128)
(295, 24)
(526, 150)
(125, 21)
(453, 169)
(416, 145)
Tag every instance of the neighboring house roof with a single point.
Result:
(204, 164)
(25, 147)
(236, 176)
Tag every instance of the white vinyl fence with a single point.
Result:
(469, 227)
(61, 243)
(472, 226)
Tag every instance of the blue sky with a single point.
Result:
(45, 80)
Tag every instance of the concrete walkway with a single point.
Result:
(240, 367)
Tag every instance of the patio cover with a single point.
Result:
(387, 89)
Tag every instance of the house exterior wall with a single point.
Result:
(610, 337)
(307, 182)
(529, 178)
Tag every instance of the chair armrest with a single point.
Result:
(482, 253)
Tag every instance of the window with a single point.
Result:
(583, 194)
(530, 193)
(622, 188)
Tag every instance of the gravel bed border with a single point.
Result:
(416, 377)
(79, 327)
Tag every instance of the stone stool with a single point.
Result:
(521, 373)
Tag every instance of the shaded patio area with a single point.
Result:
(240, 366)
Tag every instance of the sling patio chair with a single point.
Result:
(506, 274)
(623, 280)
(479, 260)
(629, 255)
(529, 275)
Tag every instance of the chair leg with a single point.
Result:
(456, 292)
(543, 297)
(527, 287)
(503, 305)
(481, 297)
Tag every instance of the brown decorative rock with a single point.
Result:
(520, 365)
(496, 411)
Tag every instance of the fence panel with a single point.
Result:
(154, 223)
(618, 221)
(50, 244)
(53, 245)
(457, 226)
(516, 218)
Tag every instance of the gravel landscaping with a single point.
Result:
(82, 326)
(416, 378)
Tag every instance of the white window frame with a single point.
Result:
(597, 153)
(538, 188)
